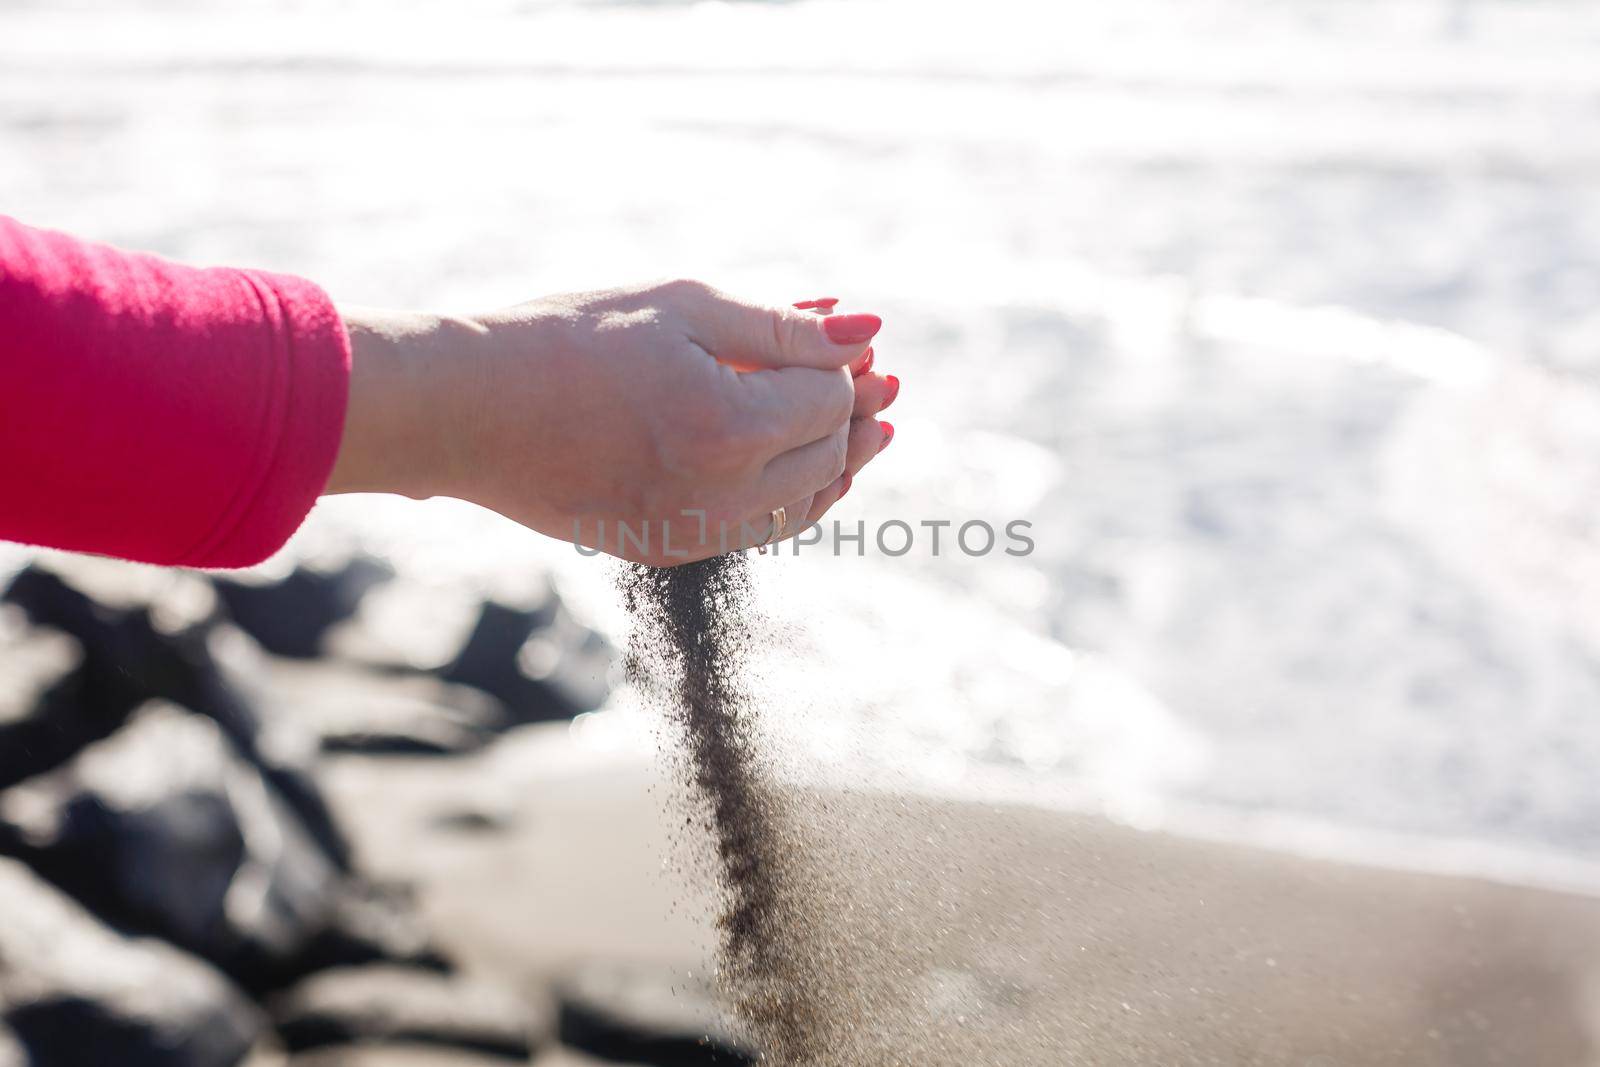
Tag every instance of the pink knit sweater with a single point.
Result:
(160, 412)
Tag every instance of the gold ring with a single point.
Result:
(779, 517)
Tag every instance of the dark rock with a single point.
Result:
(530, 652)
(44, 717)
(73, 993)
(420, 737)
(479, 820)
(395, 1004)
(370, 923)
(645, 1015)
(537, 658)
(412, 623)
(130, 659)
(350, 708)
(412, 1055)
(290, 617)
(541, 662)
(163, 829)
(122, 661)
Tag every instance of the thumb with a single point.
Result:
(753, 336)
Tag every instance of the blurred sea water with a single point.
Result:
(1279, 321)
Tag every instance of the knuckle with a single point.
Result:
(866, 432)
(682, 289)
(785, 334)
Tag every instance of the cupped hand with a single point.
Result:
(661, 424)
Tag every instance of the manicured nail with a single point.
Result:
(848, 480)
(863, 364)
(894, 390)
(823, 302)
(851, 329)
(888, 435)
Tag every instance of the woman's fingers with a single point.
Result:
(795, 517)
(803, 410)
(824, 305)
(798, 516)
(828, 497)
(874, 392)
(804, 470)
(749, 335)
(794, 406)
(764, 529)
(868, 437)
(810, 467)
(816, 467)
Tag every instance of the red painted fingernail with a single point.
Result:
(894, 391)
(851, 329)
(888, 435)
(848, 480)
(863, 365)
(824, 302)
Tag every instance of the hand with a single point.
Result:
(661, 424)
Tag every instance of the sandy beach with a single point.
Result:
(989, 935)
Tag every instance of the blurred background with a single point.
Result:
(1279, 321)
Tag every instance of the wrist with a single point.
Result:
(410, 404)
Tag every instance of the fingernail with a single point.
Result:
(894, 390)
(819, 302)
(863, 365)
(888, 435)
(848, 480)
(851, 329)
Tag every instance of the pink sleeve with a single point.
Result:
(159, 412)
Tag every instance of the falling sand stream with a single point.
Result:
(691, 640)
